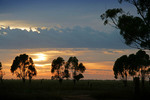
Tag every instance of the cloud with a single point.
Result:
(58, 37)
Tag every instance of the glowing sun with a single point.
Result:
(39, 57)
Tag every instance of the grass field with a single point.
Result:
(52, 90)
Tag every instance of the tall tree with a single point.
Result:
(136, 65)
(120, 68)
(73, 64)
(62, 69)
(139, 64)
(134, 29)
(66, 72)
(80, 69)
(1, 73)
(77, 69)
(23, 67)
(148, 74)
(58, 68)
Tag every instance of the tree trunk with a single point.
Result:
(136, 86)
(143, 81)
(23, 76)
(23, 79)
(1, 80)
(149, 80)
(74, 81)
(30, 80)
(60, 81)
(125, 82)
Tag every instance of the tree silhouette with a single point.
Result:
(139, 64)
(1, 73)
(73, 64)
(80, 69)
(62, 69)
(134, 29)
(66, 72)
(23, 67)
(120, 68)
(77, 69)
(148, 74)
(58, 68)
(136, 65)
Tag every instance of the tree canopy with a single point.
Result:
(23, 67)
(1, 72)
(62, 69)
(57, 68)
(134, 29)
(135, 65)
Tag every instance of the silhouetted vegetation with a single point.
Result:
(134, 29)
(23, 67)
(58, 69)
(1, 73)
(121, 68)
(136, 65)
(76, 69)
(62, 69)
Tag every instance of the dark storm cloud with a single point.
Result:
(76, 37)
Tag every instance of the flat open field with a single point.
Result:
(84, 89)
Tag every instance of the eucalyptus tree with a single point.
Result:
(1, 73)
(73, 65)
(148, 74)
(120, 68)
(76, 68)
(23, 67)
(61, 69)
(66, 71)
(141, 64)
(135, 65)
(135, 29)
(80, 69)
(58, 68)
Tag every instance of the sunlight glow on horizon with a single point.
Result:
(39, 57)
(98, 62)
(42, 65)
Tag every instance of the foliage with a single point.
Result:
(134, 29)
(1, 72)
(0, 66)
(121, 67)
(135, 65)
(62, 69)
(57, 66)
(23, 67)
(77, 69)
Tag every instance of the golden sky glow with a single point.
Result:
(39, 57)
(18, 25)
(98, 63)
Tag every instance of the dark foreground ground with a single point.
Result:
(83, 90)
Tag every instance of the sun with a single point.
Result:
(40, 57)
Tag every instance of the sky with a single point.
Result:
(61, 24)
(46, 29)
